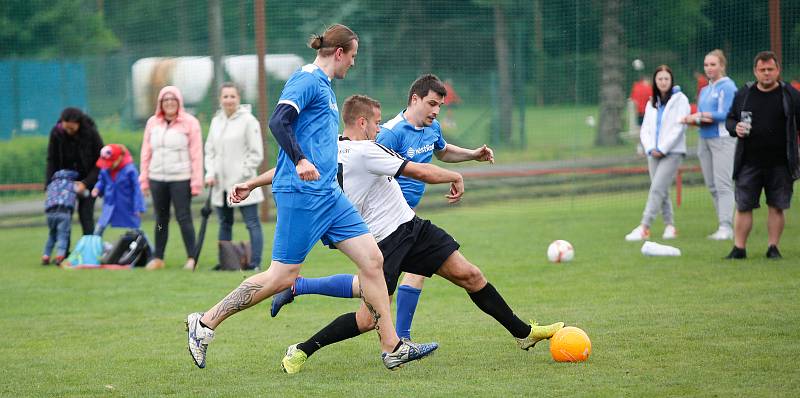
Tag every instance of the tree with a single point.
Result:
(612, 59)
(55, 28)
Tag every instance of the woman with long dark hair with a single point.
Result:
(75, 145)
(663, 137)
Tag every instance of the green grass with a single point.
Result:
(690, 326)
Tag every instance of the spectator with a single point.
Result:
(640, 94)
(766, 151)
(75, 145)
(58, 208)
(663, 137)
(233, 152)
(716, 147)
(123, 203)
(172, 169)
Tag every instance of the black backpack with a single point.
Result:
(131, 249)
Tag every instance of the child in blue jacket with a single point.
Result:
(118, 184)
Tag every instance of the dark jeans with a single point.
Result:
(179, 193)
(250, 216)
(59, 224)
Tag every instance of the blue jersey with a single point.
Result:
(416, 144)
(316, 129)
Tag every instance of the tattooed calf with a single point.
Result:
(237, 300)
(375, 315)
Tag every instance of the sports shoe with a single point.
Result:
(45, 260)
(670, 232)
(190, 264)
(773, 253)
(722, 234)
(539, 333)
(407, 352)
(638, 233)
(283, 297)
(736, 254)
(294, 360)
(199, 337)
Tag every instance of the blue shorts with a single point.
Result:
(303, 219)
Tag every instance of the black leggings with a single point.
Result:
(86, 214)
(180, 194)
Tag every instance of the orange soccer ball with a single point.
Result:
(570, 344)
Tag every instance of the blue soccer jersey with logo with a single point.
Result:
(417, 145)
(316, 129)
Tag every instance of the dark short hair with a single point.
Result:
(357, 106)
(424, 84)
(765, 56)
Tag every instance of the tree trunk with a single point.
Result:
(217, 46)
(612, 97)
(505, 92)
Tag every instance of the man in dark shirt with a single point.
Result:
(764, 116)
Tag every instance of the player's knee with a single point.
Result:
(373, 264)
(473, 279)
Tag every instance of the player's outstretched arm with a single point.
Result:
(433, 174)
(454, 154)
(240, 192)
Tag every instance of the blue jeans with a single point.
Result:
(250, 216)
(60, 225)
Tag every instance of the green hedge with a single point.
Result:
(23, 159)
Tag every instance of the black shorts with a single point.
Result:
(774, 180)
(417, 247)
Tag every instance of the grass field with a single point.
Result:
(695, 325)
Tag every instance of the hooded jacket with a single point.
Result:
(122, 196)
(233, 152)
(61, 190)
(172, 151)
(791, 108)
(78, 152)
(716, 99)
(670, 137)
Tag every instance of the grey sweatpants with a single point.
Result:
(716, 160)
(662, 173)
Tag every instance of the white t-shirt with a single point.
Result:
(367, 175)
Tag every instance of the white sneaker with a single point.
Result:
(656, 249)
(670, 232)
(722, 234)
(638, 234)
(199, 337)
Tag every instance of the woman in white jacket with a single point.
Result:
(233, 152)
(663, 137)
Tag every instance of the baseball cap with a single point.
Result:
(110, 154)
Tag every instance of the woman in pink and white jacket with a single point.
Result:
(172, 170)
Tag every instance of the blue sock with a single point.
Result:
(407, 299)
(335, 286)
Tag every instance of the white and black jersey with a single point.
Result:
(367, 172)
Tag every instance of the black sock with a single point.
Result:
(492, 303)
(342, 328)
(204, 325)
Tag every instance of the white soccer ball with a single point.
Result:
(560, 251)
(637, 64)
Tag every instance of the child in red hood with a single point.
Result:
(118, 184)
